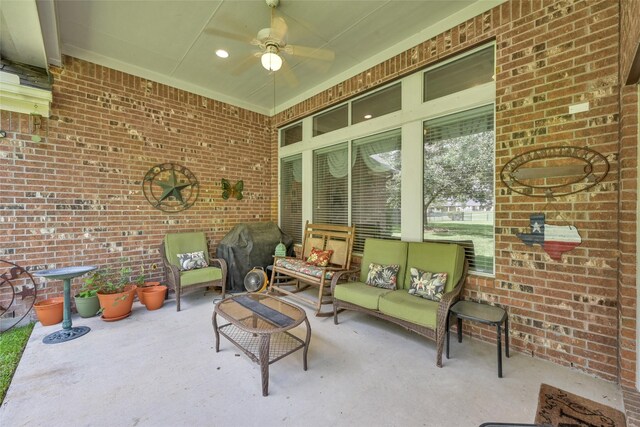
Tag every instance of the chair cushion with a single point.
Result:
(360, 294)
(192, 260)
(380, 251)
(200, 275)
(319, 258)
(426, 284)
(430, 256)
(402, 305)
(302, 267)
(182, 243)
(383, 276)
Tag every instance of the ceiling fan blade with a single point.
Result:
(278, 28)
(244, 65)
(288, 74)
(228, 35)
(310, 52)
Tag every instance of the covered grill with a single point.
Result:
(250, 245)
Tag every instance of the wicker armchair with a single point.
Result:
(190, 280)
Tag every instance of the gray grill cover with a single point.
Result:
(247, 246)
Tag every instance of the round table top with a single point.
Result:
(484, 313)
(64, 272)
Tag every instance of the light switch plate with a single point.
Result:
(579, 108)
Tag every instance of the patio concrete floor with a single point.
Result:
(160, 368)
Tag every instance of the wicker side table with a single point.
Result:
(482, 313)
(258, 325)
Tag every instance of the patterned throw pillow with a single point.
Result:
(427, 285)
(192, 260)
(383, 276)
(319, 258)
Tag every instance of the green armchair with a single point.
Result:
(190, 280)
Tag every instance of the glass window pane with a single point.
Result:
(330, 185)
(377, 104)
(464, 73)
(291, 197)
(458, 183)
(291, 135)
(331, 120)
(375, 187)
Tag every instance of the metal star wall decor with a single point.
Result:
(170, 187)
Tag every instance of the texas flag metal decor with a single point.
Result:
(554, 239)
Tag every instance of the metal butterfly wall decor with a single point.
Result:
(229, 190)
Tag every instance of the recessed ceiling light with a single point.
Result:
(368, 116)
(221, 53)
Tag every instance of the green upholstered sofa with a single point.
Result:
(186, 281)
(416, 314)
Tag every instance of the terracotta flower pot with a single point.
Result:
(154, 296)
(49, 311)
(117, 306)
(140, 288)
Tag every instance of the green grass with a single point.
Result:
(12, 344)
(480, 232)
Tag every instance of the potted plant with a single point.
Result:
(116, 295)
(141, 282)
(86, 299)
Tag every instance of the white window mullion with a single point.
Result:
(412, 200)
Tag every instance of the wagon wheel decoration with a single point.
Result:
(15, 282)
(170, 187)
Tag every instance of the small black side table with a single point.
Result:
(486, 314)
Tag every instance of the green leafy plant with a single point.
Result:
(140, 279)
(92, 284)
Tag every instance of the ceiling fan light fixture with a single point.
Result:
(271, 61)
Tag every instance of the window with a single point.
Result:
(377, 104)
(331, 120)
(291, 135)
(375, 187)
(461, 74)
(330, 185)
(458, 183)
(291, 197)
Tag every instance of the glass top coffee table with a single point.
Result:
(258, 325)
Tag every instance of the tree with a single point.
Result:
(459, 169)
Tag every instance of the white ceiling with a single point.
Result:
(171, 41)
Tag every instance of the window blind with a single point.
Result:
(330, 185)
(291, 197)
(375, 187)
(459, 183)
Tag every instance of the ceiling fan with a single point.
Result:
(272, 42)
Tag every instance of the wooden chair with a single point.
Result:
(289, 271)
(190, 280)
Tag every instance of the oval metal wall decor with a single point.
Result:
(15, 282)
(170, 187)
(554, 171)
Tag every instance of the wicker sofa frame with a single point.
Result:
(437, 334)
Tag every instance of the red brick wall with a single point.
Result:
(628, 229)
(76, 197)
(550, 54)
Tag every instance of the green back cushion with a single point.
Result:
(181, 243)
(436, 258)
(384, 252)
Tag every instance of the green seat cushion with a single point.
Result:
(402, 305)
(359, 294)
(182, 243)
(200, 275)
(384, 252)
(436, 258)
